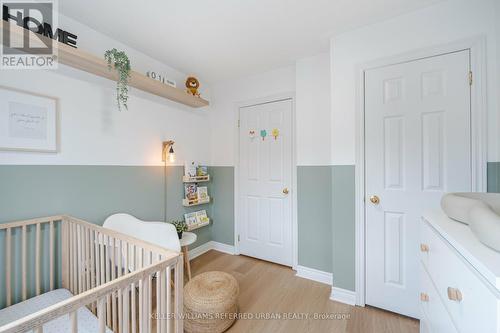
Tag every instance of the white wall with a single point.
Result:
(93, 131)
(225, 98)
(313, 110)
(439, 24)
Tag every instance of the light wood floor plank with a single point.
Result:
(270, 288)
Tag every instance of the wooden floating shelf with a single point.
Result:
(198, 225)
(187, 203)
(197, 179)
(90, 63)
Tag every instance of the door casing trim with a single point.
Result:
(253, 102)
(476, 46)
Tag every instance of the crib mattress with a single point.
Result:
(87, 322)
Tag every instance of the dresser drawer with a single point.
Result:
(434, 317)
(470, 300)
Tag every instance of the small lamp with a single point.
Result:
(168, 151)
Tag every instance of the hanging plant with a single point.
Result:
(119, 61)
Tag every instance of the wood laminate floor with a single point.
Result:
(268, 289)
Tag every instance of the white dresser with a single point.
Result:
(459, 279)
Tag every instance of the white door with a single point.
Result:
(265, 229)
(417, 146)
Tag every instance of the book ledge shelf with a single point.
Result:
(197, 179)
(198, 225)
(90, 63)
(190, 203)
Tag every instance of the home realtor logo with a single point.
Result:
(22, 49)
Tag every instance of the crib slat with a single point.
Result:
(179, 277)
(168, 299)
(8, 290)
(74, 322)
(70, 256)
(80, 258)
(106, 263)
(97, 259)
(75, 259)
(113, 276)
(51, 255)
(125, 327)
(119, 328)
(101, 315)
(87, 258)
(102, 258)
(149, 260)
(37, 259)
(133, 305)
(161, 303)
(133, 292)
(92, 259)
(141, 306)
(65, 254)
(23, 261)
(39, 329)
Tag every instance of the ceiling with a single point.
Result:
(224, 39)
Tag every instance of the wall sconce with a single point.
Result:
(168, 151)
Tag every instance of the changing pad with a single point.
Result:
(87, 322)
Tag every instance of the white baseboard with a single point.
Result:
(221, 247)
(343, 296)
(314, 274)
(211, 245)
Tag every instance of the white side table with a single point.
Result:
(187, 239)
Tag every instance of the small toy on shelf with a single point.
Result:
(192, 85)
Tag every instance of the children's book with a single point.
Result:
(202, 193)
(202, 171)
(190, 191)
(190, 219)
(190, 168)
(201, 217)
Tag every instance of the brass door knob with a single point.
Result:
(424, 297)
(424, 247)
(285, 190)
(375, 200)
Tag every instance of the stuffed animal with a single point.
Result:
(192, 85)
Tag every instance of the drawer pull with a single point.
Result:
(424, 247)
(424, 297)
(454, 294)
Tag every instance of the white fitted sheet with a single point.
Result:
(87, 322)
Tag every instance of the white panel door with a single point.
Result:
(265, 229)
(417, 146)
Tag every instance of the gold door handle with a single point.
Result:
(424, 297)
(375, 200)
(424, 247)
(285, 191)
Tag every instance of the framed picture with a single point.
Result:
(28, 122)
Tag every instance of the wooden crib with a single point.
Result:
(129, 285)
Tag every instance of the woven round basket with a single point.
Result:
(210, 303)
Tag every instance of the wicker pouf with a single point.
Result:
(210, 302)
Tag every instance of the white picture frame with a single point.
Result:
(28, 121)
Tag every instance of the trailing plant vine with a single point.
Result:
(119, 61)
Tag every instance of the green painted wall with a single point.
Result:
(343, 208)
(223, 204)
(95, 192)
(494, 177)
(314, 197)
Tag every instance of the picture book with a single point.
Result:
(201, 217)
(190, 168)
(202, 171)
(190, 219)
(190, 191)
(202, 193)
